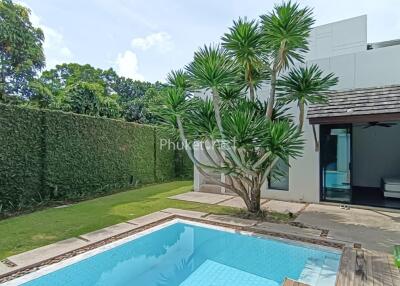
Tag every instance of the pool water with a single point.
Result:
(185, 254)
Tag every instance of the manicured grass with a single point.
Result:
(33, 230)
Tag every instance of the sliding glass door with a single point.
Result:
(335, 162)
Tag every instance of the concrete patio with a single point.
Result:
(374, 230)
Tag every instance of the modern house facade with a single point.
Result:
(357, 155)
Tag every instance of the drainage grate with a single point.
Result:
(8, 263)
(324, 233)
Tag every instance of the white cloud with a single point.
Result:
(127, 65)
(161, 40)
(54, 46)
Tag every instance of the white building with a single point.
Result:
(360, 127)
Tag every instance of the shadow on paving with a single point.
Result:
(375, 230)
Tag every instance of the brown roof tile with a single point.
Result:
(362, 101)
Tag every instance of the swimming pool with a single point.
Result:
(187, 253)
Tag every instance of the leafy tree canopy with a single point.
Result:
(93, 91)
(21, 50)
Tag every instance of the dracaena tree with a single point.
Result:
(232, 127)
(244, 43)
(304, 86)
(285, 31)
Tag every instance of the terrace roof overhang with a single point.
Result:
(377, 104)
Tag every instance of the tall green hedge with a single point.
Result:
(165, 165)
(50, 155)
(21, 160)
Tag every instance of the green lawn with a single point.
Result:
(30, 231)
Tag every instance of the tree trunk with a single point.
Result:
(252, 93)
(217, 104)
(255, 197)
(254, 201)
(301, 116)
(271, 99)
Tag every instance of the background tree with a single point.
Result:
(69, 87)
(88, 90)
(21, 51)
(241, 138)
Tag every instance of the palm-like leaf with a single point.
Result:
(283, 140)
(200, 123)
(279, 112)
(173, 103)
(178, 79)
(243, 125)
(285, 32)
(212, 68)
(305, 85)
(230, 94)
(243, 42)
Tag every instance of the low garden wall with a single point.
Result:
(56, 156)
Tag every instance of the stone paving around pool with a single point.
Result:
(374, 229)
(234, 201)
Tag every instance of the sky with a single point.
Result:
(145, 39)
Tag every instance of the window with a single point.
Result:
(279, 179)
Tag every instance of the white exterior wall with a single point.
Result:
(341, 48)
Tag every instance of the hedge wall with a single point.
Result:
(51, 155)
(165, 163)
(21, 161)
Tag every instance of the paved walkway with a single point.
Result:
(236, 202)
(375, 230)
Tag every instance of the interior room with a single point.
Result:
(360, 163)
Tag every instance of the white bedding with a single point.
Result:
(391, 187)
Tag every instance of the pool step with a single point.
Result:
(214, 273)
(311, 271)
(328, 272)
(320, 272)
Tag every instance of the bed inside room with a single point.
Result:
(376, 164)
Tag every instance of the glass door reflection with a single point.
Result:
(336, 163)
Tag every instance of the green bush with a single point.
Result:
(21, 160)
(56, 156)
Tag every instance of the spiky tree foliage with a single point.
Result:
(244, 44)
(212, 69)
(239, 136)
(305, 85)
(285, 31)
(179, 78)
